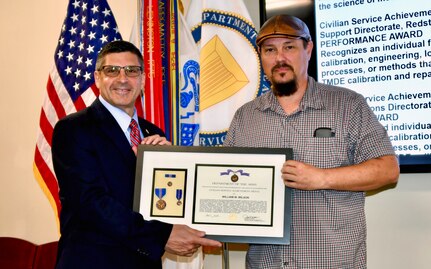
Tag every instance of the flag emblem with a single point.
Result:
(224, 76)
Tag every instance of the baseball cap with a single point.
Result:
(283, 26)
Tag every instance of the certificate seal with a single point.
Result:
(234, 178)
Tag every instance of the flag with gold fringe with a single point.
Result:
(228, 72)
(151, 50)
(156, 37)
(188, 91)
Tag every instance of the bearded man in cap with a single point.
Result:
(340, 151)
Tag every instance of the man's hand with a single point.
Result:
(368, 175)
(155, 140)
(302, 176)
(152, 140)
(185, 241)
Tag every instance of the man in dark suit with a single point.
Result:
(94, 161)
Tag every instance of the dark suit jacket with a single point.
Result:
(95, 168)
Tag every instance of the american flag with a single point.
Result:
(88, 26)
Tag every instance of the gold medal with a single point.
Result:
(160, 192)
(161, 204)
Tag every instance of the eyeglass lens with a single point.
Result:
(114, 70)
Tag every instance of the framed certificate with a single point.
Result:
(233, 194)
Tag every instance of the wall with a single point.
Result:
(399, 224)
(399, 219)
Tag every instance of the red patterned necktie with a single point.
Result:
(135, 136)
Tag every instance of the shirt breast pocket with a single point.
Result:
(324, 152)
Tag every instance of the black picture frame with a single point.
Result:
(188, 158)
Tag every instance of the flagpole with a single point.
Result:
(225, 256)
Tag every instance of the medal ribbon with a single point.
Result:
(179, 194)
(160, 192)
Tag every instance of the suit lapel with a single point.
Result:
(107, 124)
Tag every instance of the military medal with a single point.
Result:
(160, 192)
(234, 178)
(179, 195)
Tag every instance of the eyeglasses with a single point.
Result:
(114, 70)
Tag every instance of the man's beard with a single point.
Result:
(284, 88)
